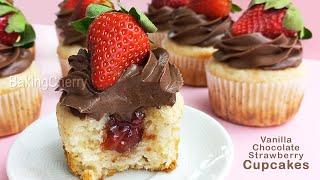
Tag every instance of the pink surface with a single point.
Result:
(304, 129)
(45, 15)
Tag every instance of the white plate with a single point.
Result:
(206, 152)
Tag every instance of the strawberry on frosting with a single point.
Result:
(271, 18)
(116, 39)
(14, 28)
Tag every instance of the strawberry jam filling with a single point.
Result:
(121, 135)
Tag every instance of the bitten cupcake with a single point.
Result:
(160, 13)
(121, 107)
(256, 77)
(20, 99)
(192, 36)
(71, 40)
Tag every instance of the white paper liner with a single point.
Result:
(191, 68)
(19, 108)
(255, 104)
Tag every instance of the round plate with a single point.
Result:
(206, 152)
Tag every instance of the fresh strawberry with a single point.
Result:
(170, 3)
(69, 4)
(211, 8)
(7, 38)
(269, 22)
(115, 40)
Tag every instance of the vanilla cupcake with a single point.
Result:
(256, 79)
(190, 43)
(120, 108)
(71, 40)
(20, 99)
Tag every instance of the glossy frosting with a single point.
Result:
(141, 86)
(69, 34)
(160, 17)
(256, 51)
(14, 60)
(190, 28)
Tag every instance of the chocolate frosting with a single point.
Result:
(257, 51)
(160, 17)
(14, 60)
(141, 86)
(69, 34)
(190, 28)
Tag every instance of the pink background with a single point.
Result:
(304, 129)
(42, 12)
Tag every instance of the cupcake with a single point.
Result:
(121, 107)
(160, 13)
(71, 40)
(20, 99)
(256, 77)
(192, 35)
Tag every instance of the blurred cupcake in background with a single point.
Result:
(71, 40)
(256, 77)
(160, 13)
(193, 32)
(20, 99)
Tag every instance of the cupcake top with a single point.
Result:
(72, 10)
(202, 23)
(119, 77)
(160, 12)
(190, 28)
(151, 84)
(267, 36)
(17, 38)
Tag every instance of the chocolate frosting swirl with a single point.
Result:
(257, 51)
(69, 34)
(141, 86)
(14, 60)
(160, 17)
(190, 28)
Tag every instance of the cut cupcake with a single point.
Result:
(71, 40)
(193, 32)
(121, 107)
(160, 13)
(20, 99)
(257, 76)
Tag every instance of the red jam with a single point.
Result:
(122, 136)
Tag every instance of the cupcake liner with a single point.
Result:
(19, 108)
(191, 68)
(157, 38)
(255, 104)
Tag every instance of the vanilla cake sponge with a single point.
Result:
(157, 151)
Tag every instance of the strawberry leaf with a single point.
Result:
(27, 37)
(255, 2)
(4, 9)
(144, 21)
(305, 34)
(16, 23)
(277, 4)
(235, 8)
(82, 25)
(6, 2)
(293, 19)
(94, 10)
